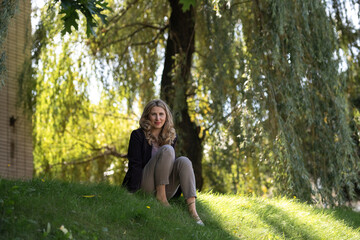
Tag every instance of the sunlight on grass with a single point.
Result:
(40, 209)
(258, 218)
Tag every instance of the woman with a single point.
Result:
(152, 163)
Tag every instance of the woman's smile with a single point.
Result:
(157, 117)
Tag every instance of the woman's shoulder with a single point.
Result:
(138, 133)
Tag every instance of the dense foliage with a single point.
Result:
(292, 129)
(72, 134)
(7, 11)
(261, 87)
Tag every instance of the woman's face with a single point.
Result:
(157, 117)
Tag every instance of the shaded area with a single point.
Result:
(348, 216)
(284, 225)
(38, 209)
(213, 228)
(298, 221)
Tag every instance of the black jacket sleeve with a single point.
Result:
(134, 175)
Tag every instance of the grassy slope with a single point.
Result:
(37, 209)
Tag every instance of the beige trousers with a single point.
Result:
(163, 168)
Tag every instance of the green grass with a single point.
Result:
(38, 209)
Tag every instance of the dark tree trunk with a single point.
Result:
(175, 83)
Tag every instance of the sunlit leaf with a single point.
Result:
(88, 196)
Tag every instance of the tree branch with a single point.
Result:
(117, 17)
(110, 151)
(225, 117)
(142, 27)
(238, 3)
(115, 116)
(151, 41)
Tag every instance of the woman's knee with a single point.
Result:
(168, 149)
(184, 162)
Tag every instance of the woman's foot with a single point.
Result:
(164, 202)
(161, 195)
(192, 210)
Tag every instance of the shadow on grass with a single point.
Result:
(95, 211)
(348, 216)
(212, 228)
(141, 216)
(283, 224)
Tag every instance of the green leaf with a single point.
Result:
(89, 9)
(187, 4)
(69, 20)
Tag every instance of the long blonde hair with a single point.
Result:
(167, 134)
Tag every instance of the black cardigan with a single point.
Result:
(139, 154)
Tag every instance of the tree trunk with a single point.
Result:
(175, 83)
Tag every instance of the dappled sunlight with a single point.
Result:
(278, 218)
(37, 209)
(236, 216)
(312, 218)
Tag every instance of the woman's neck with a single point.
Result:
(155, 132)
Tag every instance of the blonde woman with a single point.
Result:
(153, 166)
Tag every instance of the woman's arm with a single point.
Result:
(135, 161)
(175, 140)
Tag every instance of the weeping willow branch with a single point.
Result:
(7, 11)
(141, 24)
(153, 40)
(109, 151)
(230, 114)
(116, 116)
(239, 3)
(122, 13)
(131, 35)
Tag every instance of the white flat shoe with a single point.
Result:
(197, 218)
(200, 223)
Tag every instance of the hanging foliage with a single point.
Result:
(74, 138)
(7, 11)
(293, 126)
(256, 88)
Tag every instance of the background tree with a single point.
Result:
(71, 133)
(345, 17)
(292, 93)
(128, 38)
(258, 93)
